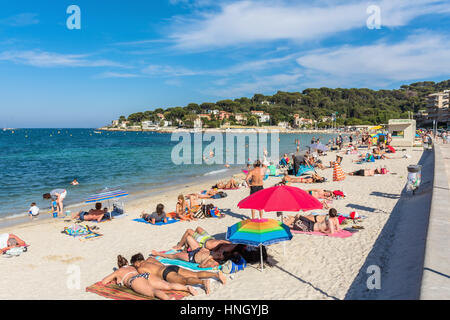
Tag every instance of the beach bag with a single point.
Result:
(206, 209)
(197, 212)
(273, 170)
(234, 266)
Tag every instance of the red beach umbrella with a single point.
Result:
(280, 198)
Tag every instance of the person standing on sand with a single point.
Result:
(255, 180)
(59, 195)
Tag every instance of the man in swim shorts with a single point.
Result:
(255, 179)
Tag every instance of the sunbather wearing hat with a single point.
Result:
(143, 283)
(314, 223)
(175, 274)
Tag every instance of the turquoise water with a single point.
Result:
(35, 161)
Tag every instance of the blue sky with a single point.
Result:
(139, 55)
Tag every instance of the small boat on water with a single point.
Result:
(98, 132)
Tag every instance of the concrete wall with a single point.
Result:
(409, 129)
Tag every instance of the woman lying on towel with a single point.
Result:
(321, 194)
(200, 239)
(9, 241)
(175, 274)
(231, 184)
(314, 223)
(365, 172)
(143, 283)
(94, 214)
(202, 256)
(314, 178)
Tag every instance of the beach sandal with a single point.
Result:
(358, 227)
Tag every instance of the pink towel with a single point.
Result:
(340, 234)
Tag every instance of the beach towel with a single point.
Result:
(116, 292)
(341, 234)
(184, 264)
(303, 169)
(338, 173)
(161, 223)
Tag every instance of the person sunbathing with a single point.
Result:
(94, 214)
(314, 223)
(9, 241)
(158, 216)
(143, 283)
(231, 184)
(175, 274)
(199, 238)
(201, 256)
(365, 172)
(321, 194)
(314, 178)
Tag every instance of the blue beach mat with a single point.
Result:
(184, 264)
(161, 223)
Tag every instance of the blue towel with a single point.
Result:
(161, 223)
(303, 169)
(184, 264)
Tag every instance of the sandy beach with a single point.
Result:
(308, 266)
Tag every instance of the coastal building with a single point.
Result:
(266, 102)
(124, 124)
(149, 125)
(214, 112)
(403, 132)
(160, 116)
(300, 121)
(437, 110)
(115, 123)
(283, 124)
(224, 115)
(197, 123)
(263, 117)
(240, 118)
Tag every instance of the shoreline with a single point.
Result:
(22, 219)
(227, 130)
(52, 253)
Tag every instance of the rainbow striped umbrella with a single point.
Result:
(108, 195)
(258, 232)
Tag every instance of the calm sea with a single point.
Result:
(35, 161)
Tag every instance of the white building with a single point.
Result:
(147, 125)
(263, 117)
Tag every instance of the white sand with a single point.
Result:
(313, 267)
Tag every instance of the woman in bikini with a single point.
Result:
(314, 178)
(183, 210)
(201, 256)
(175, 274)
(198, 238)
(365, 172)
(231, 184)
(142, 283)
(314, 223)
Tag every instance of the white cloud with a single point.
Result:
(117, 75)
(166, 70)
(39, 58)
(419, 56)
(259, 85)
(246, 22)
(20, 20)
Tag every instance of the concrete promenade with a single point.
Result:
(436, 271)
